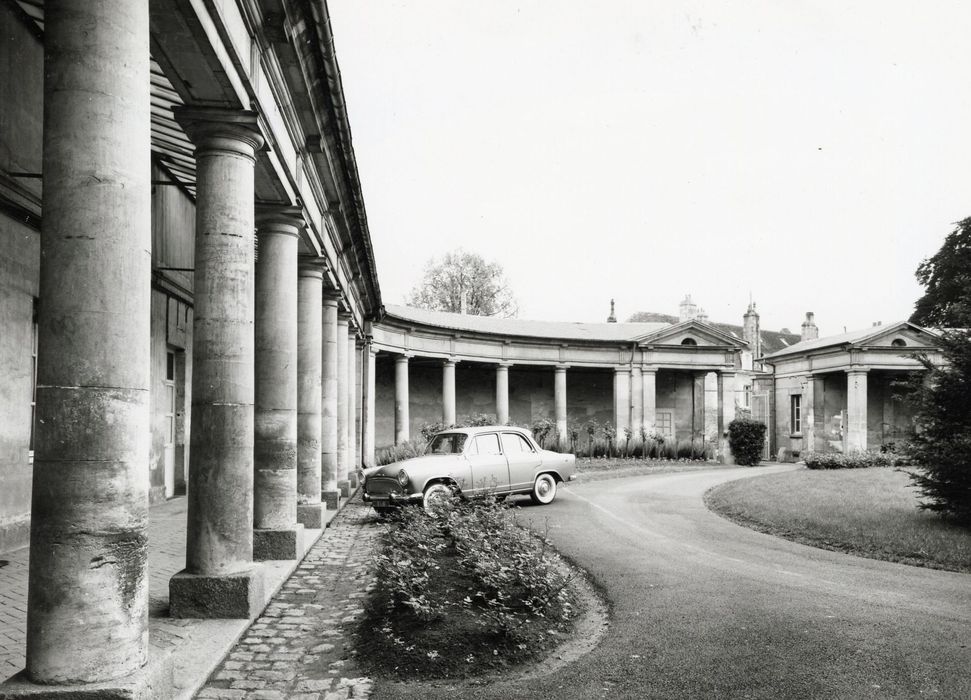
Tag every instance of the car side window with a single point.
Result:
(487, 444)
(513, 443)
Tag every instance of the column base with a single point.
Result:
(331, 499)
(156, 679)
(235, 596)
(277, 544)
(311, 515)
(345, 488)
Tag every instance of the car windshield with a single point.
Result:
(446, 444)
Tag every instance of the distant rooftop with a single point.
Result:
(772, 341)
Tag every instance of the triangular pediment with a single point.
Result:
(703, 335)
(898, 336)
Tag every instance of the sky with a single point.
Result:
(805, 154)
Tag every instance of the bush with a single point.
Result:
(746, 437)
(396, 453)
(852, 460)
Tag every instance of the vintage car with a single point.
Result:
(483, 461)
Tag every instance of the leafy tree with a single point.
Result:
(942, 445)
(946, 277)
(464, 283)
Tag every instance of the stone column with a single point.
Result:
(343, 432)
(448, 392)
(352, 408)
(87, 609)
(276, 534)
(359, 405)
(637, 401)
(808, 414)
(310, 288)
(502, 393)
(856, 418)
(726, 391)
(559, 405)
(649, 398)
(370, 386)
(219, 579)
(401, 419)
(329, 493)
(711, 409)
(621, 401)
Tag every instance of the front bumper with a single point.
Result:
(390, 499)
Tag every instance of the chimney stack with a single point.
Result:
(687, 309)
(809, 329)
(612, 318)
(750, 330)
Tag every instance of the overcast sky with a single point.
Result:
(808, 153)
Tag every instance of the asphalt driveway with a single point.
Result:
(704, 608)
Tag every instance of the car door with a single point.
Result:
(523, 461)
(490, 473)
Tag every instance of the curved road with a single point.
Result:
(703, 608)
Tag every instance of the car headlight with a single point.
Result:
(403, 478)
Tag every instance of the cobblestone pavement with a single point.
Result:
(13, 611)
(300, 648)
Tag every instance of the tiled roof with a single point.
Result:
(844, 338)
(564, 330)
(772, 341)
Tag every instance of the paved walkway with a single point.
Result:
(300, 647)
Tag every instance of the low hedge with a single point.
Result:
(860, 459)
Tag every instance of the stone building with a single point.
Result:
(189, 303)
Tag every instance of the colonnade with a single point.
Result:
(856, 417)
(273, 401)
(634, 398)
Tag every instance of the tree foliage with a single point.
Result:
(461, 279)
(746, 437)
(942, 446)
(946, 277)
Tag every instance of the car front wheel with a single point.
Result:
(544, 489)
(435, 493)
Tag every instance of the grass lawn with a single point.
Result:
(867, 512)
(603, 468)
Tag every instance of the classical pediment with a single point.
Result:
(690, 334)
(898, 336)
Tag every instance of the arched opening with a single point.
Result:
(689, 341)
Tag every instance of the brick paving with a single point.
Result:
(300, 647)
(166, 556)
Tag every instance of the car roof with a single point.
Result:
(478, 429)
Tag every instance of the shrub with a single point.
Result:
(746, 437)
(396, 453)
(851, 460)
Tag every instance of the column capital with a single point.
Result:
(234, 131)
(623, 369)
(403, 357)
(311, 267)
(857, 370)
(450, 361)
(561, 368)
(331, 297)
(279, 218)
(649, 370)
(503, 366)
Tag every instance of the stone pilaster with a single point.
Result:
(276, 533)
(502, 393)
(448, 392)
(621, 401)
(87, 610)
(856, 410)
(808, 414)
(726, 391)
(636, 401)
(343, 390)
(711, 408)
(559, 405)
(309, 338)
(401, 418)
(219, 579)
(329, 492)
(649, 399)
(370, 386)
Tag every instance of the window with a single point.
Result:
(795, 414)
(447, 444)
(664, 423)
(488, 444)
(899, 343)
(514, 444)
(747, 395)
(689, 341)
